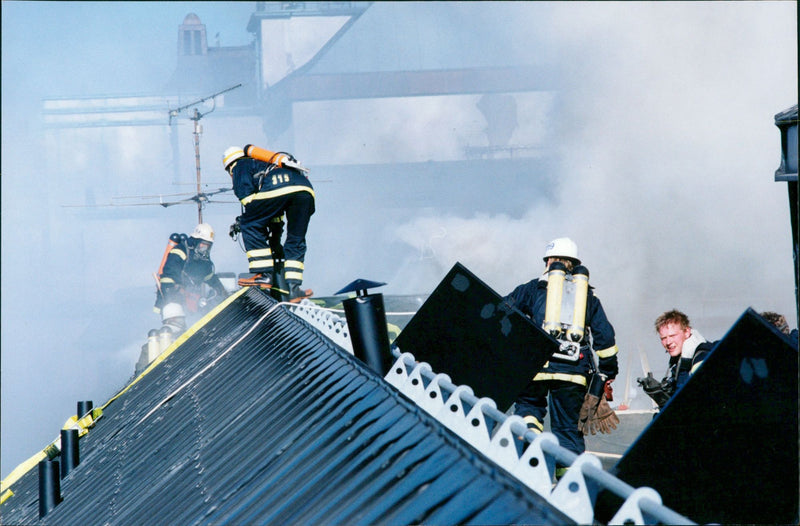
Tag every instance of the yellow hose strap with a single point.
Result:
(53, 449)
(71, 421)
(608, 353)
(6, 495)
(21, 470)
(83, 424)
(574, 378)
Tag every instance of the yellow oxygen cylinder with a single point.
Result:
(153, 346)
(555, 292)
(164, 339)
(580, 277)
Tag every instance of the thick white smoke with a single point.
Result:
(667, 147)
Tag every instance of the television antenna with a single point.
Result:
(198, 129)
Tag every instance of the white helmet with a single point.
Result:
(203, 231)
(562, 247)
(172, 310)
(231, 154)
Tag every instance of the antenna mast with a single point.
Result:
(198, 129)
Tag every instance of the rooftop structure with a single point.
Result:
(255, 416)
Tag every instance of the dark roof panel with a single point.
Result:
(256, 418)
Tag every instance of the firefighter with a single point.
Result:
(187, 266)
(780, 323)
(271, 186)
(566, 380)
(687, 350)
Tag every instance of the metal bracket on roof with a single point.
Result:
(631, 511)
(414, 386)
(398, 374)
(575, 494)
(452, 413)
(536, 469)
(476, 432)
(433, 399)
(502, 448)
(333, 325)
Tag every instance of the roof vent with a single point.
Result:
(366, 321)
(49, 486)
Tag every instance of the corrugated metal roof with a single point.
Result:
(257, 418)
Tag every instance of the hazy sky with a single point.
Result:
(667, 146)
(74, 49)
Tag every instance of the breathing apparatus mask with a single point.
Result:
(201, 249)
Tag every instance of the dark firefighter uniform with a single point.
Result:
(267, 193)
(185, 271)
(566, 381)
(680, 369)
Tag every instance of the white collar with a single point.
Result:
(691, 343)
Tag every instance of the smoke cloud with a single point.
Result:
(667, 153)
(661, 129)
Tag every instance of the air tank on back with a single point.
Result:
(555, 291)
(580, 278)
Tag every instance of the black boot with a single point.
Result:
(280, 289)
(296, 294)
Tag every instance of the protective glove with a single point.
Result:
(590, 403)
(235, 229)
(649, 383)
(595, 412)
(660, 392)
(605, 419)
